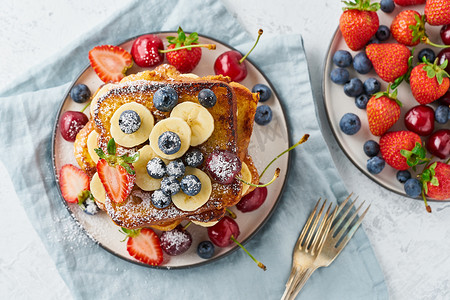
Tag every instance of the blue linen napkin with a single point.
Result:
(28, 113)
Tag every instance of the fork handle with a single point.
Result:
(296, 281)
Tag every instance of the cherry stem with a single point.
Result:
(275, 176)
(89, 103)
(209, 46)
(427, 207)
(260, 264)
(232, 214)
(260, 32)
(427, 41)
(302, 140)
(187, 225)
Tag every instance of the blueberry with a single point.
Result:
(191, 185)
(373, 40)
(350, 123)
(375, 165)
(387, 6)
(205, 249)
(371, 86)
(207, 98)
(263, 90)
(428, 54)
(156, 168)
(371, 148)
(176, 168)
(403, 176)
(340, 76)
(413, 187)
(361, 63)
(361, 101)
(88, 205)
(353, 88)
(442, 114)
(80, 93)
(170, 185)
(169, 142)
(263, 115)
(342, 58)
(129, 121)
(383, 33)
(165, 98)
(194, 158)
(160, 199)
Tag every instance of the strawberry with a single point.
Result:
(408, 27)
(428, 82)
(72, 182)
(383, 111)
(409, 2)
(359, 22)
(436, 181)
(184, 52)
(438, 12)
(110, 63)
(144, 245)
(402, 149)
(390, 61)
(116, 173)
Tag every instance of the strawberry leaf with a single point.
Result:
(82, 196)
(416, 156)
(428, 175)
(128, 168)
(111, 147)
(444, 64)
(130, 159)
(100, 153)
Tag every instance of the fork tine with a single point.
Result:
(349, 221)
(327, 230)
(312, 231)
(321, 231)
(306, 227)
(335, 227)
(352, 230)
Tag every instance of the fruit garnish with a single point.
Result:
(145, 50)
(116, 172)
(394, 142)
(144, 245)
(225, 232)
(223, 166)
(439, 143)
(420, 119)
(409, 2)
(176, 241)
(72, 182)
(417, 156)
(110, 63)
(263, 115)
(205, 249)
(436, 181)
(390, 61)
(231, 63)
(429, 81)
(252, 200)
(71, 123)
(80, 93)
(383, 111)
(437, 12)
(86, 202)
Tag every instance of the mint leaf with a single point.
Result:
(111, 147)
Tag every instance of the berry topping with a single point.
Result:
(439, 143)
(420, 119)
(143, 244)
(220, 234)
(207, 98)
(205, 249)
(340, 76)
(371, 148)
(350, 123)
(170, 185)
(371, 86)
(354, 87)
(403, 176)
(160, 199)
(263, 90)
(156, 168)
(176, 241)
(426, 53)
(342, 58)
(194, 158)
(165, 98)
(71, 123)
(383, 33)
(361, 63)
(80, 93)
(145, 51)
(413, 187)
(169, 142)
(86, 203)
(176, 168)
(110, 63)
(129, 121)
(223, 166)
(387, 6)
(263, 115)
(190, 185)
(252, 200)
(72, 182)
(442, 114)
(361, 101)
(375, 164)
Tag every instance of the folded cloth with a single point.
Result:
(28, 114)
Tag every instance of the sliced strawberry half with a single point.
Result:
(117, 182)
(144, 245)
(110, 62)
(72, 181)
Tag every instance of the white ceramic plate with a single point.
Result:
(337, 103)
(267, 142)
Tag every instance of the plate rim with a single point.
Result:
(162, 267)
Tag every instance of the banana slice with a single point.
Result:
(191, 203)
(92, 144)
(97, 189)
(143, 180)
(189, 75)
(135, 138)
(198, 118)
(177, 125)
(247, 176)
(205, 224)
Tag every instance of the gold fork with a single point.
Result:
(332, 241)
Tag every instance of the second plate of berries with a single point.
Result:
(386, 93)
(153, 159)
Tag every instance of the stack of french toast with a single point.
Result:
(226, 126)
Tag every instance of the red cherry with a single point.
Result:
(443, 55)
(220, 234)
(439, 143)
(176, 241)
(420, 119)
(223, 166)
(445, 34)
(145, 50)
(445, 99)
(252, 200)
(71, 123)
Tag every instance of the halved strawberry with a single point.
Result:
(110, 62)
(72, 182)
(144, 245)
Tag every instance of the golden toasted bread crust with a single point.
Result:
(80, 149)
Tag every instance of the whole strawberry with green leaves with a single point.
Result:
(429, 82)
(383, 111)
(359, 22)
(436, 181)
(402, 149)
(390, 61)
(438, 12)
(409, 2)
